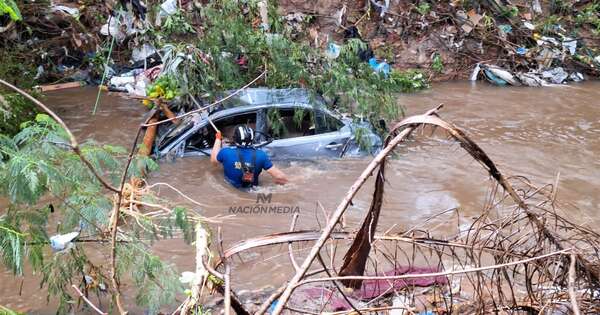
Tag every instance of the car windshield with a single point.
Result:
(259, 96)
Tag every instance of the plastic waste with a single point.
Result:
(505, 28)
(401, 302)
(556, 75)
(333, 50)
(536, 6)
(383, 6)
(380, 67)
(114, 26)
(531, 79)
(168, 7)
(570, 44)
(39, 72)
(576, 77)
(522, 51)
(546, 39)
(499, 76)
(597, 59)
(273, 306)
(475, 73)
(62, 241)
(68, 10)
(141, 53)
(187, 277)
(529, 25)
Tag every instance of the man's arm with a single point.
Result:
(216, 148)
(278, 176)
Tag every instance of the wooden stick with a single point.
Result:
(148, 140)
(210, 105)
(88, 301)
(572, 278)
(335, 217)
(227, 288)
(74, 143)
(436, 274)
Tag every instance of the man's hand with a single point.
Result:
(278, 176)
(216, 148)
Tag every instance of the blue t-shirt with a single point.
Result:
(232, 168)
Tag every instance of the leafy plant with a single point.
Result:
(233, 51)
(590, 15)
(10, 7)
(437, 65)
(177, 24)
(37, 164)
(423, 8)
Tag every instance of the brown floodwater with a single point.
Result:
(535, 132)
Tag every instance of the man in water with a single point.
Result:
(243, 163)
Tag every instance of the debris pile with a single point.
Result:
(521, 253)
(534, 42)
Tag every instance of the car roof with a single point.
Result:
(257, 98)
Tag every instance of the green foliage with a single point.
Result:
(232, 52)
(37, 164)
(548, 25)
(14, 108)
(590, 15)
(10, 7)
(277, 127)
(423, 8)
(437, 65)
(8, 311)
(177, 24)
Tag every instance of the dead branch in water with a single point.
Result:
(513, 256)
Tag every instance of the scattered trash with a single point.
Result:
(556, 75)
(546, 56)
(522, 51)
(505, 28)
(168, 7)
(64, 9)
(141, 53)
(333, 50)
(475, 73)
(39, 72)
(499, 76)
(380, 67)
(401, 304)
(570, 44)
(531, 79)
(471, 22)
(576, 77)
(382, 6)
(529, 26)
(119, 27)
(187, 277)
(60, 242)
(537, 7)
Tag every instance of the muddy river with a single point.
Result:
(535, 132)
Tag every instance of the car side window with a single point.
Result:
(286, 123)
(326, 122)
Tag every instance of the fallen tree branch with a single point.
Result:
(74, 144)
(83, 297)
(335, 217)
(436, 274)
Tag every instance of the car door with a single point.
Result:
(325, 137)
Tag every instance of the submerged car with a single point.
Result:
(288, 123)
